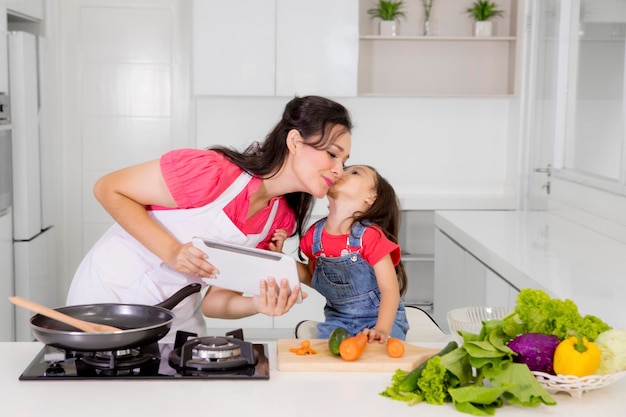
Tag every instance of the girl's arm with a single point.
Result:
(304, 273)
(389, 299)
(125, 193)
(276, 245)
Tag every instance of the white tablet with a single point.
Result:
(242, 268)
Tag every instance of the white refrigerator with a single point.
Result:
(34, 248)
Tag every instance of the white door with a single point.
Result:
(540, 96)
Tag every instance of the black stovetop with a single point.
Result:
(154, 361)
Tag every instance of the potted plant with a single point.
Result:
(388, 11)
(483, 11)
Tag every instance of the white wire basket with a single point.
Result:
(470, 319)
(574, 385)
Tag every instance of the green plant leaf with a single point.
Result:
(483, 10)
(388, 10)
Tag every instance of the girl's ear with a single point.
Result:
(370, 199)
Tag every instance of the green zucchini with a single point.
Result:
(409, 383)
(336, 337)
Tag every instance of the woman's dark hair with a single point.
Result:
(313, 117)
(385, 213)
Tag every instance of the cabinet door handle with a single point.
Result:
(546, 170)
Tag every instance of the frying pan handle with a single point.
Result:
(180, 295)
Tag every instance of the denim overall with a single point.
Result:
(349, 285)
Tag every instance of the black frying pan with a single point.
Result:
(140, 324)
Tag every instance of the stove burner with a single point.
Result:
(215, 349)
(213, 354)
(116, 360)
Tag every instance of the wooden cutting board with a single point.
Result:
(373, 359)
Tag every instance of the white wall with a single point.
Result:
(435, 145)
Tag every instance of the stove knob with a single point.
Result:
(55, 370)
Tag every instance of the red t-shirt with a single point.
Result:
(375, 245)
(196, 177)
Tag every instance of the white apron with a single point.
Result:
(118, 269)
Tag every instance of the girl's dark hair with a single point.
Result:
(385, 213)
(313, 117)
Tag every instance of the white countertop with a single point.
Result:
(545, 251)
(284, 394)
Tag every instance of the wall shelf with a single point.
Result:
(450, 63)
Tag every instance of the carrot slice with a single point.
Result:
(304, 349)
(395, 347)
(351, 348)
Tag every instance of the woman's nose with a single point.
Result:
(338, 170)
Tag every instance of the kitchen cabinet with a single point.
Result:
(234, 57)
(277, 48)
(416, 238)
(317, 47)
(461, 280)
(450, 62)
(28, 9)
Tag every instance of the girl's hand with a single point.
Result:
(278, 240)
(373, 334)
(275, 300)
(191, 260)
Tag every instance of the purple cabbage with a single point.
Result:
(535, 350)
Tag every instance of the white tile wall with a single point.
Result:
(124, 87)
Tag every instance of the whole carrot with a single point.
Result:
(351, 348)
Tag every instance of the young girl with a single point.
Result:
(354, 258)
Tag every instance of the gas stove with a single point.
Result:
(189, 357)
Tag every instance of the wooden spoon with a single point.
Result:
(83, 325)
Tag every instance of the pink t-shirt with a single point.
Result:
(375, 245)
(196, 177)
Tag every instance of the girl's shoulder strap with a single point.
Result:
(356, 234)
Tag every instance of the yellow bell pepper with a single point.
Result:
(576, 356)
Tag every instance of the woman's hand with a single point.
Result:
(274, 299)
(278, 240)
(191, 260)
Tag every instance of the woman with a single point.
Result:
(237, 197)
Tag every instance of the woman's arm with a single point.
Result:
(274, 300)
(125, 193)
